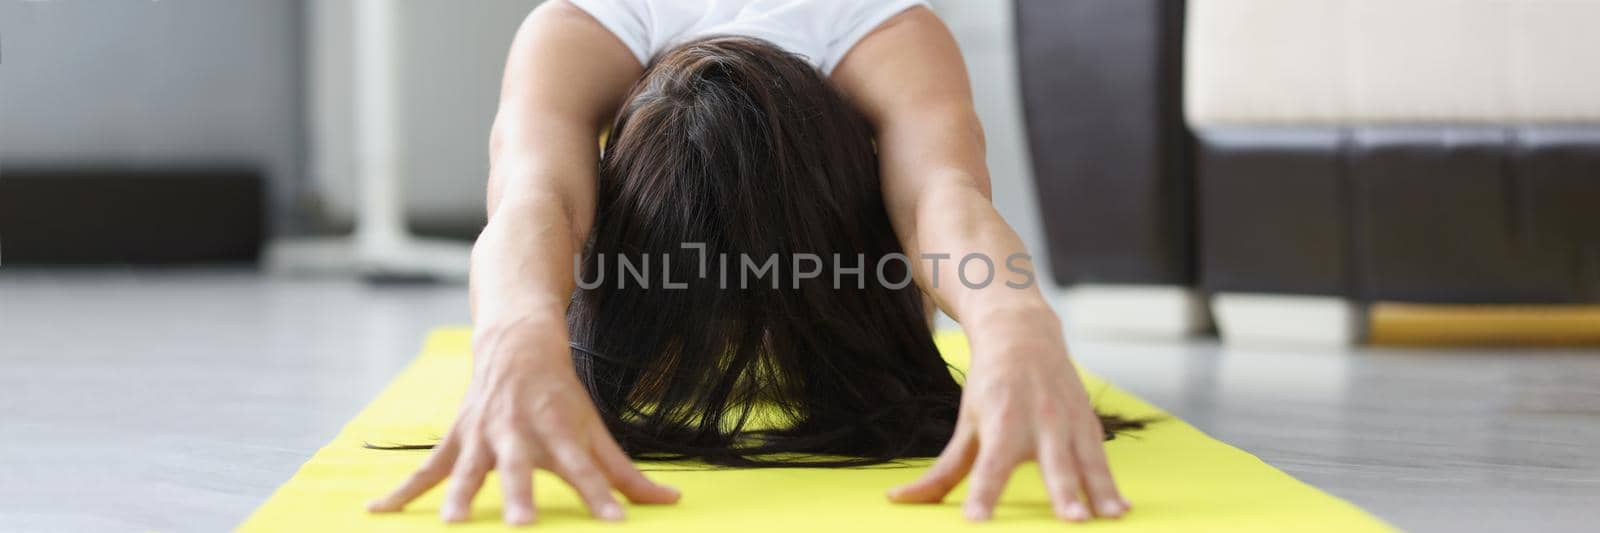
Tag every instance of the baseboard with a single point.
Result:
(130, 216)
(1275, 319)
(1142, 311)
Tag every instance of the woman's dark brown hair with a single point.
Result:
(745, 149)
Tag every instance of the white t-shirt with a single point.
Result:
(821, 31)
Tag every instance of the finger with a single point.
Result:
(433, 470)
(619, 470)
(1061, 478)
(465, 480)
(947, 472)
(1097, 481)
(990, 474)
(516, 484)
(577, 467)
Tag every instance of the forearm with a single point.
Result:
(937, 192)
(1021, 399)
(521, 274)
(539, 214)
(543, 158)
(954, 222)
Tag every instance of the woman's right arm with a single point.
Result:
(525, 409)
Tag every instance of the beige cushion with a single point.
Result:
(1387, 61)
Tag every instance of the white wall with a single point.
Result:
(141, 83)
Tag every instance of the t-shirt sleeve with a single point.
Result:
(864, 16)
(629, 20)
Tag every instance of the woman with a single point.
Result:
(757, 144)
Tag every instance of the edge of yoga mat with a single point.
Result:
(1177, 478)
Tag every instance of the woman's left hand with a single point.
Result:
(1023, 401)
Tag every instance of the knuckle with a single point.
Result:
(473, 430)
(1007, 445)
(513, 461)
(993, 464)
(582, 469)
(1067, 478)
(571, 460)
(1100, 482)
(1097, 472)
(501, 426)
(998, 430)
(550, 430)
(1064, 490)
(1093, 424)
(1063, 461)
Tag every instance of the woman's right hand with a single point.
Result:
(526, 410)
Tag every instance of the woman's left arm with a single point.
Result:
(1023, 400)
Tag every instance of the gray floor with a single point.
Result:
(177, 401)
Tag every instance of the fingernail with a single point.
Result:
(518, 516)
(610, 512)
(674, 490)
(451, 513)
(1126, 506)
(1110, 508)
(977, 513)
(374, 506)
(1076, 512)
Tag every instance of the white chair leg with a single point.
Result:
(1273, 319)
(383, 246)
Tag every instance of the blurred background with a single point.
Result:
(1244, 166)
(224, 225)
(269, 92)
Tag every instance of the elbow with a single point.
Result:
(959, 201)
(497, 142)
(959, 185)
(978, 175)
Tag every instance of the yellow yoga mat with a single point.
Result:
(1176, 477)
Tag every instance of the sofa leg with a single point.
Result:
(1145, 311)
(1256, 319)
